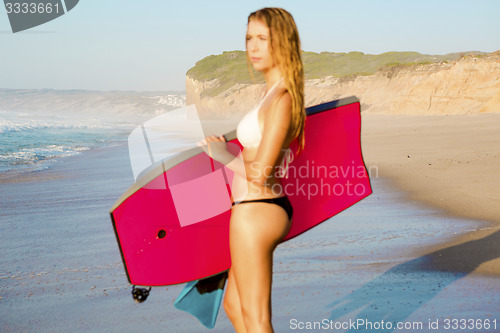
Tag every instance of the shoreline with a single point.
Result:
(445, 162)
(421, 156)
(366, 257)
(390, 144)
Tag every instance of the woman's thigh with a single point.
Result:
(255, 231)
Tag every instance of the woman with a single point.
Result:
(262, 219)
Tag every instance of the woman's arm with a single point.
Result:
(277, 122)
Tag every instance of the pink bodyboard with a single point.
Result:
(165, 239)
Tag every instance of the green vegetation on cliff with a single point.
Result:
(230, 68)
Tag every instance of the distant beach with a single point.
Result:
(388, 258)
(39, 127)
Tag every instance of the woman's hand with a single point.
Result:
(215, 147)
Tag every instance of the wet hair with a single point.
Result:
(284, 46)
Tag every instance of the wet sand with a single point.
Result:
(448, 162)
(387, 258)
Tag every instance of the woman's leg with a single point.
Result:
(255, 231)
(232, 304)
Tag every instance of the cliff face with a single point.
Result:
(468, 86)
(233, 102)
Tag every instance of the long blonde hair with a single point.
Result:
(284, 44)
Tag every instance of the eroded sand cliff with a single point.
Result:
(470, 85)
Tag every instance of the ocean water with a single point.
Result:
(33, 139)
(34, 142)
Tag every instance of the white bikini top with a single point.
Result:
(249, 134)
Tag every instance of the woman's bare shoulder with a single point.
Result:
(279, 114)
(281, 105)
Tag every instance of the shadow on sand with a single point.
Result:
(396, 294)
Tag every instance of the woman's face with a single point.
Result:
(258, 46)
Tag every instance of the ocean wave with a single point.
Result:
(41, 153)
(39, 157)
(37, 144)
(7, 126)
(34, 140)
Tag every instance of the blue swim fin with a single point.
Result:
(202, 298)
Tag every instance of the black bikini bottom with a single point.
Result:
(283, 202)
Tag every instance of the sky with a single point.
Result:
(150, 45)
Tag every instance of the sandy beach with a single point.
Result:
(448, 162)
(402, 255)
